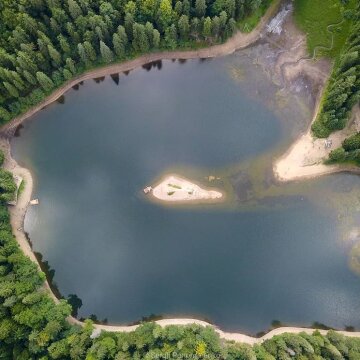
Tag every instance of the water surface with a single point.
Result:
(271, 252)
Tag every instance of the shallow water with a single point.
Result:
(270, 252)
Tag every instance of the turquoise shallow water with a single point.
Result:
(238, 266)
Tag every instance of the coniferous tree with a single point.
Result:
(156, 39)
(195, 27)
(184, 27)
(207, 28)
(200, 8)
(29, 77)
(178, 8)
(67, 74)
(4, 115)
(215, 27)
(12, 90)
(165, 14)
(25, 62)
(171, 36)
(45, 82)
(122, 33)
(70, 63)
(106, 54)
(223, 20)
(83, 55)
(54, 55)
(186, 7)
(74, 9)
(119, 46)
(64, 45)
(89, 50)
(129, 23)
(140, 41)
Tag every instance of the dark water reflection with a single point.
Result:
(241, 267)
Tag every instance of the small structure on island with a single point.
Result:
(148, 189)
(328, 143)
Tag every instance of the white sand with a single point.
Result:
(305, 158)
(237, 337)
(177, 189)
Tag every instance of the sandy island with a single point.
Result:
(177, 189)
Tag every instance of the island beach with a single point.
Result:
(174, 188)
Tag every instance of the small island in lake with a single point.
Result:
(175, 188)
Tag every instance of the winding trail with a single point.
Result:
(313, 57)
(18, 211)
(305, 157)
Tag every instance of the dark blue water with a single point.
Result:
(126, 257)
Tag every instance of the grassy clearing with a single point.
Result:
(314, 17)
(21, 188)
(174, 186)
(249, 23)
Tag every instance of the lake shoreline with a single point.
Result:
(17, 215)
(238, 41)
(18, 211)
(305, 158)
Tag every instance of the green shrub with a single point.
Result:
(352, 143)
(337, 155)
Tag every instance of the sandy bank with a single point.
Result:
(237, 337)
(174, 188)
(305, 158)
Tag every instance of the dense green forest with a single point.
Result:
(349, 152)
(44, 43)
(343, 90)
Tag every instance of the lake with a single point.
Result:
(270, 252)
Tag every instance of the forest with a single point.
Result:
(343, 90)
(44, 43)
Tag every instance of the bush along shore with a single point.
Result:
(45, 43)
(343, 90)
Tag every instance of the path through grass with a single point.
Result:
(314, 17)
